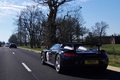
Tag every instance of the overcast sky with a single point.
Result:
(92, 10)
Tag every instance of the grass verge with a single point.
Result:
(113, 51)
(33, 49)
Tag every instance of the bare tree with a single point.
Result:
(83, 32)
(65, 31)
(99, 30)
(13, 38)
(20, 30)
(53, 6)
(70, 26)
(69, 29)
(30, 25)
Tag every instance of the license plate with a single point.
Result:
(91, 61)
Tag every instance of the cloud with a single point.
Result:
(11, 7)
(29, 3)
(33, 3)
(7, 9)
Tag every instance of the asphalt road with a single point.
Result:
(19, 64)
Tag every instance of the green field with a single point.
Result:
(113, 51)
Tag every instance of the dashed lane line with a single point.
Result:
(28, 69)
(13, 52)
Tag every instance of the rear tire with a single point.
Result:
(58, 65)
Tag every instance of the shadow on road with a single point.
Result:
(107, 75)
(92, 74)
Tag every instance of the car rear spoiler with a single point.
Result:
(82, 44)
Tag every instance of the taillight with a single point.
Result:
(69, 54)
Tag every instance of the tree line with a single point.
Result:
(37, 27)
(2, 43)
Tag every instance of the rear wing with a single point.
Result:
(75, 45)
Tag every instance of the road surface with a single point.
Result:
(20, 64)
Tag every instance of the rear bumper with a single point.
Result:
(77, 63)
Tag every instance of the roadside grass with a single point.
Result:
(112, 48)
(114, 60)
(33, 49)
(113, 51)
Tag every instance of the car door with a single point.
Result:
(54, 51)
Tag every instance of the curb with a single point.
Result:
(117, 69)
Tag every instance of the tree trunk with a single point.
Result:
(52, 27)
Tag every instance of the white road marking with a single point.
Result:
(28, 69)
(13, 52)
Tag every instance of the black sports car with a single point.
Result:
(75, 55)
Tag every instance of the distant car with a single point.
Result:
(75, 55)
(12, 45)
